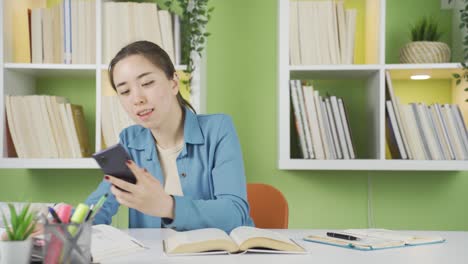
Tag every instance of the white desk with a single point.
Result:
(453, 251)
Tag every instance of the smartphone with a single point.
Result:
(112, 161)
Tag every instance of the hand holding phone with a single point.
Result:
(112, 161)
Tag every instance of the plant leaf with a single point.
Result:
(24, 226)
(13, 216)
(7, 227)
(466, 89)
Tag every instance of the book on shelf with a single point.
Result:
(414, 138)
(339, 126)
(394, 138)
(397, 125)
(333, 129)
(313, 121)
(454, 137)
(240, 239)
(347, 128)
(298, 119)
(125, 22)
(372, 239)
(328, 19)
(46, 127)
(305, 121)
(442, 132)
(322, 124)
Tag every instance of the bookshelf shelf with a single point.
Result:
(374, 165)
(16, 163)
(47, 70)
(365, 79)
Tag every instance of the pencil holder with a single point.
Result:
(67, 243)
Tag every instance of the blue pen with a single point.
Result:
(54, 215)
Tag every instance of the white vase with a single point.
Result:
(17, 252)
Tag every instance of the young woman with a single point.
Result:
(189, 167)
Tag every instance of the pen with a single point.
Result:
(90, 212)
(54, 215)
(341, 236)
(98, 205)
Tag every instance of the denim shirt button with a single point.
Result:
(183, 174)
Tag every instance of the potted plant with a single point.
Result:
(425, 46)
(17, 247)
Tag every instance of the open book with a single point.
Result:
(241, 239)
(370, 239)
(109, 242)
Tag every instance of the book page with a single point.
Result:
(200, 240)
(250, 237)
(394, 235)
(109, 242)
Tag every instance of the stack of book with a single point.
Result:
(321, 32)
(125, 22)
(43, 126)
(64, 33)
(322, 124)
(417, 131)
(114, 119)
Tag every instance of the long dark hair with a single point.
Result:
(155, 55)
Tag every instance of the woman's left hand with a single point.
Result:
(147, 195)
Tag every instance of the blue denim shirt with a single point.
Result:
(214, 184)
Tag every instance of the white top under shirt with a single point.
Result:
(167, 158)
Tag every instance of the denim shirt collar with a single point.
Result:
(143, 140)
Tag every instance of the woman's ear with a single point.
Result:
(175, 84)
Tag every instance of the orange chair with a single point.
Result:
(268, 206)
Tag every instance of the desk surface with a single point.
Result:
(454, 251)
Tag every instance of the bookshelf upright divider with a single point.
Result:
(372, 72)
(21, 78)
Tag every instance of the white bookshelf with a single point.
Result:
(20, 79)
(373, 73)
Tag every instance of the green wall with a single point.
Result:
(242, 82)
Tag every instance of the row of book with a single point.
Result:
(114, 119)
(322, 124)
(64, 33)
(417, 131)
(321, 32)
(125, 22)
(42, 126)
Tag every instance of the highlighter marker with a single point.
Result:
(64, 213)
(78, 217)
(98, 205)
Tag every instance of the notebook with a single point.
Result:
(372, 239)
(110, 242)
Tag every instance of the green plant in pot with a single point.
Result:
(18, 228)
(425, 46)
